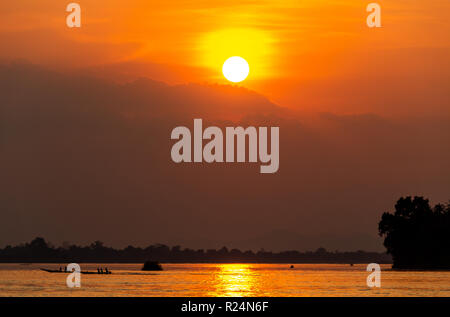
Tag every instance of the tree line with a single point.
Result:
(38, 250)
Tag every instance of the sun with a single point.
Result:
(235, 69)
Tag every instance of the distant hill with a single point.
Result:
(83, 157)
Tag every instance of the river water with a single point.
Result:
(190, 280)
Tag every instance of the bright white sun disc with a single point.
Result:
(235, 69)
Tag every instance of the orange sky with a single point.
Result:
(373, 110)
(309, 55)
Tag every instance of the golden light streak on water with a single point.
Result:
(222, 280)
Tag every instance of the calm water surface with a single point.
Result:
(222, 280)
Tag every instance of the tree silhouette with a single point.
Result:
(40, 251)
(416, 235)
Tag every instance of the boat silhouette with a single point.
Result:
(82, 272)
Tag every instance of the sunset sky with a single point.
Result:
(86, 115)
(307, 55)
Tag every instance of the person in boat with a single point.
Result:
(106, 270)
(101, 270)
(65, 269)
(98, 270)
(60, 269)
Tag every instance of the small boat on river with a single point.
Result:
(82, 272)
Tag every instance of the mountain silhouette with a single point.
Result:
(84, 158)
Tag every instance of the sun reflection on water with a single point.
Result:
(235, 280)
(240, 280)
